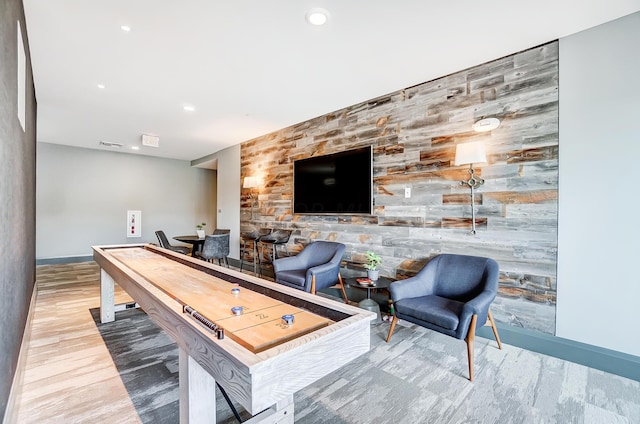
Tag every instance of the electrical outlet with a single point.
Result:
(407, 192)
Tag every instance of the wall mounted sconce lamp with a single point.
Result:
(470, 153)
(250, 183)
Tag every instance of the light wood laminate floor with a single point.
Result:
(70, 375)
(79, 371)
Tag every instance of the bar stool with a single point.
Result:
(252, 237)
(272, 241)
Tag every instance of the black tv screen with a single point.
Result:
(340, 183)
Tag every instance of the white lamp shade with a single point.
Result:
(250, 182)
(467, 153)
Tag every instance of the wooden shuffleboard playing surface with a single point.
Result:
(260, 325)
(260, 362)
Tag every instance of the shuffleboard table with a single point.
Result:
(254, 353)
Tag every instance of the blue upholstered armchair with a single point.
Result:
(316, 267)
(451, 295)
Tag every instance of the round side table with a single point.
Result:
(368, 303)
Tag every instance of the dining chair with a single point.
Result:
(216, 246)
(164, 242)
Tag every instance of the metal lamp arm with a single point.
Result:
(473, 182)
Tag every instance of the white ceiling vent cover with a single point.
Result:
(150, 140)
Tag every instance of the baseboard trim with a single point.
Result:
(64, 260)
(11, 411)
(607, 360)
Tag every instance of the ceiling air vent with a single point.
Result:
(110, 144)
(150, 140)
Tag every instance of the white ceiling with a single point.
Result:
(250, 67)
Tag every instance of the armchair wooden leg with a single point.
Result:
(471, 335)
(495, 329)
(393, 326)
(344, 292)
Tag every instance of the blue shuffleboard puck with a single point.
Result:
(287, 319)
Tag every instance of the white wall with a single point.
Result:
(229, 195)
(598, 254)
(82, 198)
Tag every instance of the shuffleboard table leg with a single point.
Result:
(197, 392)
(107, 299)
(280, 413)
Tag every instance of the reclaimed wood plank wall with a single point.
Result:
(414, 132)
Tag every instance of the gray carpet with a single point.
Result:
(419, 377)
(147, 360)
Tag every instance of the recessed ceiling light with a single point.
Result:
(125, 28)
(189, 108)
(100, 85)
(317, 16)
(135, 148)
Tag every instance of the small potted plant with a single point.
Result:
(200, 229)
(373, 260)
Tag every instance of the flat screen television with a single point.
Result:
(340, 183)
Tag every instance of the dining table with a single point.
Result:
(194, 240)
